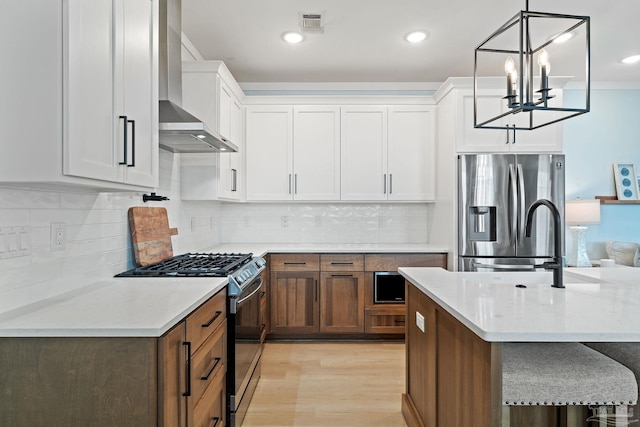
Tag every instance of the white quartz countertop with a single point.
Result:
(594, 306)
(263, 248)
(149, 307)
(133, 307)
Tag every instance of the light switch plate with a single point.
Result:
(420, 321)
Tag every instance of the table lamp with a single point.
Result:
(577, 214)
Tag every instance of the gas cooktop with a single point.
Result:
(192, 265)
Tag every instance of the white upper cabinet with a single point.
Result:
(411, 153)
(491, 103)
(269, 157)
(364, 153)
(316, 153)
(388, 153)
(80, 68)
(211, 93)
(293, 153)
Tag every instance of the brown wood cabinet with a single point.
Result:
(313, 294)
(342, 293)
(390, 318)
(119, 381)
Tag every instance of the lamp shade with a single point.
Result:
(582, 212)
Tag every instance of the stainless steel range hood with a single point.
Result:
(180, 131)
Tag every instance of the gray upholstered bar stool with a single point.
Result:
(564, 374)
(628, 354)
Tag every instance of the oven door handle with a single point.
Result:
(240, 301)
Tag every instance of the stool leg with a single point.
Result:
(622, 416)
(506, 416)
(574, 416)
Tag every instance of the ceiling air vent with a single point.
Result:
(311, 22)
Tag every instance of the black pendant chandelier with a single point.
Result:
(525, 46)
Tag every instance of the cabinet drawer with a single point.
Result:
(342, 262)
(295, 262)
(202, 322)
(210, 411)
(208, 361)
(385, 320)
(391, 262)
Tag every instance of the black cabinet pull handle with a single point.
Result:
(263, 294)
(213, 368)
(216, 420)
(188, 368)
(295, 263)
(126, 132)
(400, 322)
(317, 290)
(341, 263)
(342, 275)
(213, 319)
(133, 143)
(514, 134)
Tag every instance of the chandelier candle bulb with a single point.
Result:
(512, 80)
(545, 69)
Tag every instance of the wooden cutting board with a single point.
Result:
(150, 234)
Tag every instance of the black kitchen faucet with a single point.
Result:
(556, 264)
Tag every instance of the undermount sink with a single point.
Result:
(518, 278)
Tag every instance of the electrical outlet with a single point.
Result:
(58, 236)
(284, 221)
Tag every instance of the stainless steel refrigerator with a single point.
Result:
(494, 193)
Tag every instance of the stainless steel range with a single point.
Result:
(243, 315)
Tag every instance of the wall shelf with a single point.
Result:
(613, 200)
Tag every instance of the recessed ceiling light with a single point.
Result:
(561, 38)
(416, 36)
(631, 59)
(292, 37)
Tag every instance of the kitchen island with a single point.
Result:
(458, 323)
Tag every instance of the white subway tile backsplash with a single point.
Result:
(98, 244)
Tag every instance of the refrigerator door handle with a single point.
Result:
(508, 267)
(523, 209)
(513, 194)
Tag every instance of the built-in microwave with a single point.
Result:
(388, 288)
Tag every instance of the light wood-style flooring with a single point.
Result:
(329, 384)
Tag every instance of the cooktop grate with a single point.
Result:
(192, 264)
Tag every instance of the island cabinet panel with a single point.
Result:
(342, 302)
(450, 370)
(62, 382)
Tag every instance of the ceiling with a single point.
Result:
(363, 39)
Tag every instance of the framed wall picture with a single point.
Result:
(626, 180)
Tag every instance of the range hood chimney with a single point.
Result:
(180, 131)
